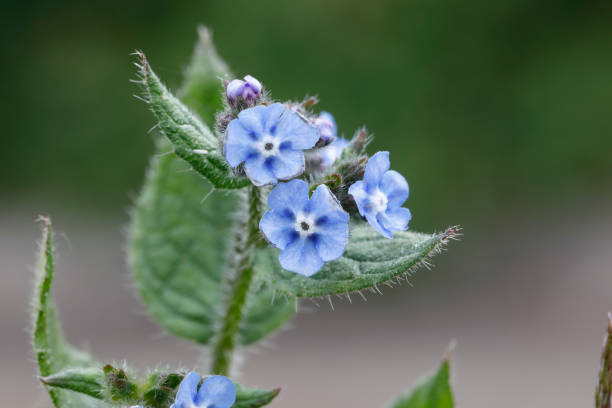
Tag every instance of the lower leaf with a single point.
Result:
(114, 386)
(53, 353)
(431, 392)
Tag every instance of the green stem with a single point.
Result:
(246, 238)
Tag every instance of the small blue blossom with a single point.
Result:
(332, 152)
(247, 90)
(380, 195)
(215, 392)
(270, 141)
(327, 128)
(308, 231)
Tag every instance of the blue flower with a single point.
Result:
(270, 141)
(215, 392)
(332, 152)
(380, 195)
(307, 231)
(327, 127)
(247, 90)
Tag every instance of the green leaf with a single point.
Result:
(86, 380)
(431, 392)
(53, 353)
(603, 394)
(179, 237)
(369, 260)
(114, 386)
(202, 90)
(191, 139)
(253, 397)
(180, 234)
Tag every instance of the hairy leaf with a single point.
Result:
(253, 397)
(53, 353)
(369, 259)
(179, 237)
(201, 89)
(181, 231)
(191, 139)
(431, 392)
(85, 380)
(114, 386)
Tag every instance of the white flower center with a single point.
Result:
(268, 146)
(378, 202)
(304, 225)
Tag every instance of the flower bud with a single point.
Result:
(327, 128)
(248, 91)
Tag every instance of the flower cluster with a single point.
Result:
(287, 146)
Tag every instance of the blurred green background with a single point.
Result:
(484, 105)
(497, 113)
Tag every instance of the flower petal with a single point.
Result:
(292, 195)
(239, 143)
(376, 167)
(396, 219)
(360, 195)
(271, 117)
(323, 202)
(287, 164)
(255, 84)
(253, 119)
(375, 222)
(332, 152)
(395, 187)
(187, 391)
(217, 392)
(330, 245)
(234, 89)
(278, 228)
(257, 171)
(294, 129)
(301, 257)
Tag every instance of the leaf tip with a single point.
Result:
(204, 35)
(44, 220)
(450, 350)
(453, 232)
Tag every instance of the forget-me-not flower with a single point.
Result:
(380, 195)
(215, 392)
(270, 141)
(247, 90)
(308, 231)
(328, 130)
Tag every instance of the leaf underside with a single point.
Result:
(369, 259)
(433, 391)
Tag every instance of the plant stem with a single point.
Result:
(603, 395)
(246, 237)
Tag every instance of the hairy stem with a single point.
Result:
(245, 240)
(603, 395)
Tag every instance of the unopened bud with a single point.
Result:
(247, 90)
(327, 128)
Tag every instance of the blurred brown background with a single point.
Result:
(497, 113)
